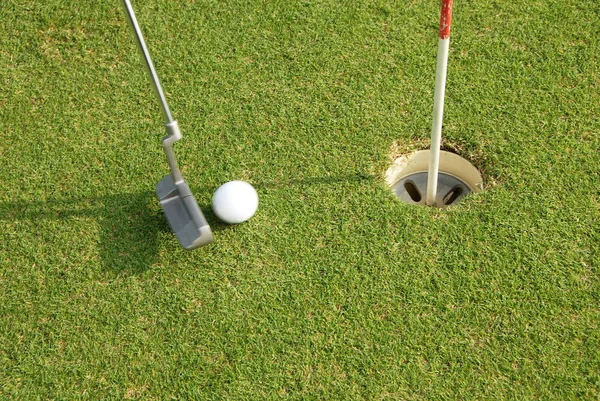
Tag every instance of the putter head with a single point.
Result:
(183, 213)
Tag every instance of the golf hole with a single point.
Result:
(457, 178)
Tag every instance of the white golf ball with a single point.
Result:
(235, 202)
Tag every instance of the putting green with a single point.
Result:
(334, 289)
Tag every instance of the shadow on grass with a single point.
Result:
(129, 225)
(312, 181)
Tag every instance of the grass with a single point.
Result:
(334, 290)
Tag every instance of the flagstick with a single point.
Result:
(438, 101)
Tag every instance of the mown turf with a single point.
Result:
(334, 290)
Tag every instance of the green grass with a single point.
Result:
(334, 290)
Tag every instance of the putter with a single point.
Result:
(176, 198)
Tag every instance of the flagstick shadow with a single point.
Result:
(302, 182)
(312, 181)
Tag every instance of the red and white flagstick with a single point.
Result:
(438, 102)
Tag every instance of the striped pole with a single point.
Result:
(438, 101)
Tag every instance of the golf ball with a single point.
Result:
(235, 202)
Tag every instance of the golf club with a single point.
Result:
(438, 102)
(176, 198)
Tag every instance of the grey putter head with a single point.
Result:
(176, 198)
(183, 213)
(178, 202)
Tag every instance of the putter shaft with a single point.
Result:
(148, 61)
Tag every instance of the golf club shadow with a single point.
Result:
(129, 232)
(129, 225)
